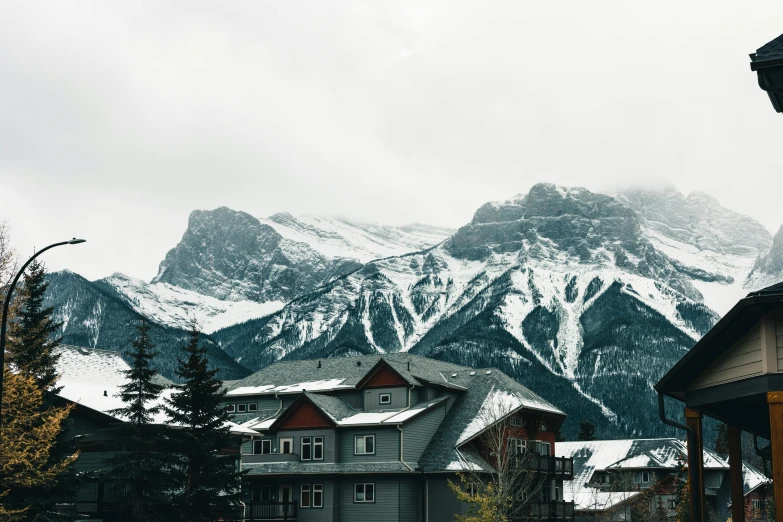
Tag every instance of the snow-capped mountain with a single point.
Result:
(768, 268)
(172, 306)
(363, 242)
(565, 289)
(232, 255)
(94, 315)
(703, 237)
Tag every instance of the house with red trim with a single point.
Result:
(375, 438)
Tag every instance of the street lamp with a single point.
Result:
(7, 303)
(767, 61)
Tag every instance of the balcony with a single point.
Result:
(561, 467)
(270, 511)
(556, 510)
(270, 457)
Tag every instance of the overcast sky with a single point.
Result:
(119, 118)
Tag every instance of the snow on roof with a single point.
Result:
(602, 455)
(752, 478)
(93, 379)
(367, 418)
(498, 404)
(323, 385)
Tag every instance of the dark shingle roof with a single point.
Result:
(464, 420)
(771, 51)
(335, 407)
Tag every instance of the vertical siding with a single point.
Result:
(386, 507)
(399, 398)
(387, 445)
(418, 433)
(742, 360)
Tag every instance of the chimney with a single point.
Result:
(105, 394)
(319, 363)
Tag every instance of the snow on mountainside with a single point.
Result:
(702, 236)
(339, 238)
(173, 306)
(768, 268)
(561, 288)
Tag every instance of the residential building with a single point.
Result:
(612, 476)
(379, 437)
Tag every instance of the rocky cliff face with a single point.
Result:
(768, 268)
(232, 255)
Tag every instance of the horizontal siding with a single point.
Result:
(410, 506)
(386, 507)
(442, 504)
(387, 445)
(418, 433)
(741, 361)
(399, 398)
(94, 460)
(324, 514)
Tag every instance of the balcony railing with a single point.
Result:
(270, 511)
(556, 510)
(270, 457)
(561, 466)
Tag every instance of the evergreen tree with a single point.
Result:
(722, 439)
(586, 431)
(141, 468)
(32, 337)
(27, 436)
(210, 482)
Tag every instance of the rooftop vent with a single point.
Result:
(105, 394)
(453, 374)
(319, 364)
(358, 363)
(489, 371)
(473, 373)
(409, 366)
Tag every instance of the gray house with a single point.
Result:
(377, 437)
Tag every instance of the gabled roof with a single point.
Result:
(747, 312)
(488, 391)
(339, 373)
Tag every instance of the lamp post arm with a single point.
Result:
(6, 305)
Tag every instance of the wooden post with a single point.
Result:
(695, 466)
(775, 401)
(735, 474)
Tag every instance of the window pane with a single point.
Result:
(318, 495)
(306, 448)
(266, 447)
(318, 448)
(370, 444)
(359, 492)
(369, 492)
(359, 445)
(305, 496)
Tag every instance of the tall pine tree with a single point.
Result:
(141, 468)
(586, 431)
(33, 335)
(210, 481)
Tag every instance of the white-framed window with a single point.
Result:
(384, 398)
(306, 444)
(241, 408)
(304, 496)
(318, 448)
(252, 406)
(546, 449)
(318, 495)
(286, 444)
(364, 492)
(231, 408)
(262, 447)
(261, 494)
(756, 504)
(645, 477)
(543, 426)
(517, 421)
(672, 503)
(364, 445)
(517, 446)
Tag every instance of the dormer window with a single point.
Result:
(252, 407)
(231, 408)
(241, 408)
(384, 398)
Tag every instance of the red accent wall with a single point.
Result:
(385, 376)
(306, 416)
